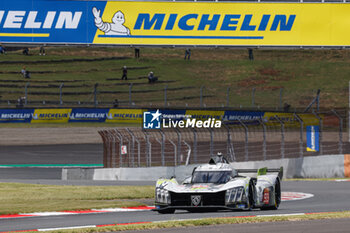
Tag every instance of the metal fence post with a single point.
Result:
(138, 147)
(228, 97)
(280, 102)
(162, 147)
(120, 147)
(230, 149)
(105, 147)
(194, 145)
(201, 97)
(148, 149)
(108, 146)
(132, 149)
(282, 135)
(340, 131)
(61, 86)
(253, 97)
(112, 142)
(26, 93)
(264, 138)
(165, 95)
(114, 148)
(178, 144)
(117, 148)
(95, 94)
(175, 152)
(246, 154)
(138, 153)
(130, 94)
(188, 153)
(318, 101)
(321, 130)
(301, 141)
(211, 145)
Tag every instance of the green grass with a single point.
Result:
(299, 72)
(28, 198)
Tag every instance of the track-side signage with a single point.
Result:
(174, 23)
(312, 138)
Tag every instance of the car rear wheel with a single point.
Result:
(277, 195)
(277, 199)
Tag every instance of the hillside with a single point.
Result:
(299, 73)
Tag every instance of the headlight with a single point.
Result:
(162, 196)
(235, 195)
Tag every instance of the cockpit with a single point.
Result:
(215, 177)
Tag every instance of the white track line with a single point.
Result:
(66, 228)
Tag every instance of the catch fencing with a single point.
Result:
(262, 139)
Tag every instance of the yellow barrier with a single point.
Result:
(289, 119)
(205, 114)
(222, 23)
(125, 116)
(51, 115)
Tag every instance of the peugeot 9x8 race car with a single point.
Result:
(218, 186)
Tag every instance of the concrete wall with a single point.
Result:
(326, 166)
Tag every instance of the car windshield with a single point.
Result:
(216, 177)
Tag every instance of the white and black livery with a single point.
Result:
(218, 186)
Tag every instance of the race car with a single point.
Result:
(218, 186)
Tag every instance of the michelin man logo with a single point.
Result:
(151, 120)
(115, 28)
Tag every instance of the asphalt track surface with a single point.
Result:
(329, 196)
(314, 226)
(52, 154)
(83, 154)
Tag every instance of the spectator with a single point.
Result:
(187, 54)
(25, 73)
(251, 56)
(137, 53)
(2, 50)
(42, 51)
(125, 73)
(286, 107)
(116, 103)
(25, 51)
(151, 78)
(20, 102)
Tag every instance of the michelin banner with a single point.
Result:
(107, 115)
(174, 23)
(88, 115)
(51, 115)
(125, 116)
(16, 115)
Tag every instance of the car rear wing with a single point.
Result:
(263, 171)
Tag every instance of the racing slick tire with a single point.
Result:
(251, 195)
(277, 200)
